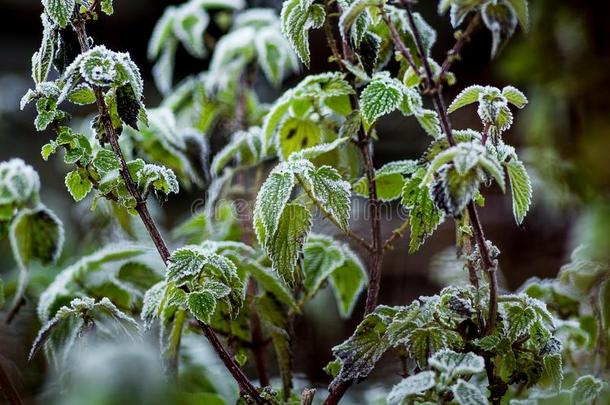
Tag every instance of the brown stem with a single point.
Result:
(454, 53)
(375, 247)
(258, 341)
(244, 384)
(7, 387)
(397, 41)
(439, 104)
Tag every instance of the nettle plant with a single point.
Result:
(248, 277)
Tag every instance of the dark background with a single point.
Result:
(561, 64)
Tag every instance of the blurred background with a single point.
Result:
(563, 135)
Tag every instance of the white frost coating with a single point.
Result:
(113, 254)
(190, 22)
(256, 17)
(19, 182)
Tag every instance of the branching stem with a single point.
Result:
(245, 386)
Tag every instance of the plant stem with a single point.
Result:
(244, 384)
(396, 234)
(454, 53)
(436, 93)
(375, 247)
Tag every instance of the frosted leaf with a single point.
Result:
(352, 14)
(285, 245)
(587, 388)
(274, 117)
(42, 60)
(158, 178)
(411, 386)
(190, 22)
(522, 11)
(296, 134)
(161, 33)
(466, 393)
(457, 364)
(321, 257)
(256, 17)
(521, 189)
(348, 281)
(297, 18)
(274, 54)
(78, 184)
(271, 201)
(315, 151)
(36, 234)
(358, 355)
(514, 96)
(467, 96)
(382, 96)
(19, 182)
(151, 302)
(202, 305)
(106, 260)
(59, 11)
(163, 71)
(328, 84)
(501, 20)
(98, 66)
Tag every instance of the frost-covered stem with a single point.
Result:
(372, 292)
(454, 53)
(258, 342)
(7, 387)
(307, 396)
(397, 41)
(396, 234)
(112, 137)
(375, 247)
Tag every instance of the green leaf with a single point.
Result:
(514, 96)
(268, 281)
(128, 105)
(521, 189)
(424, 342)
(286, 243)
(466, 393)
(347, 282)
(586, 389)
(48, 149)
(519, 320)
(380, 97)
(455, 364)
(60, 11)
(467, 96)
(453, 191)
(202, 305)
(321, 257)
(36, 234)
(553, 369)
(359, 354)
(274, 117)
(296, 134)
(411, 386)
(522, 11)
(318, 150)
(332, 193)
(107, 7)
(351, 14)
(428, 119)
(158, 178)
(105, 161)
(78, 186)
(297, 18)
(271, 202)
(42, 60)
(82, 95)
(190, 23)
(499, 18)
(424, 216)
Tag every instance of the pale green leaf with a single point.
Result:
(286, 243)
(77, 185)
(36, 234)
(466, 393)
(411, 386)
(521, 189)
(60, 11)
(467, 96)
(514, 96)
(202, 305)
